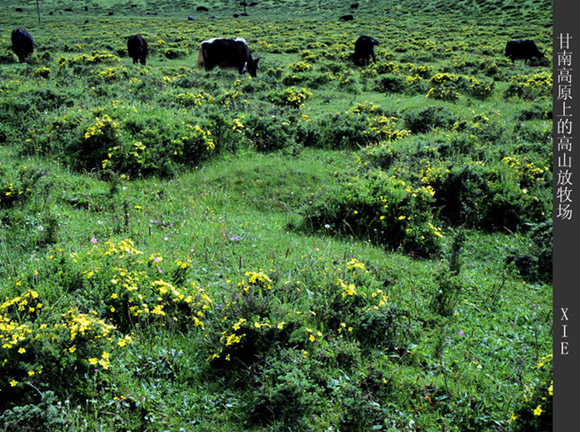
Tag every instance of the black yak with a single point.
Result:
(522, 50)
(138, 48)
(227, 54)
(22, 44)
(364, 50)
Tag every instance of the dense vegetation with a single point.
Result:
(324, 247)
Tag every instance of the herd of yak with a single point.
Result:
(234, 54)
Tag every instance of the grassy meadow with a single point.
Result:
(325, 247)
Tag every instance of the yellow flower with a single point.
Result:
(538, 410)
(13, 383)
(21, 351)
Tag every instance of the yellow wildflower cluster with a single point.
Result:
(444, 77)
(443, 93)
(111, 74)
(121, 249)
(292, 98)
(12, 333)
(194, 99)
(414, 79)
(103, 126)
(238, 126)
(542, 80)
(258, 279)
(43, 72)
(84, 325)
(229, 341)
(376, 69)
(355, 264)
(366, 108)
(27, 302)
(347, 290)
(383, 126)
(300, 66)
(85, 59)
(526, 171)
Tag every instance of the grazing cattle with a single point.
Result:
(227, 54)
(22, 44)
(364, 50)
(19, 10)
(138, 48)
(354, 6)
(202, 9)
(522, 49)
(346, 18)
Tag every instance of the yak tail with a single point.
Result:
(200, 61)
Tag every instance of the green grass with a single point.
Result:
(334, 249)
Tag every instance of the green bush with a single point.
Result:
(269, 132)
(287, 391)
(530, 87)
(174, 53)
(390, 83)
(425, 119)
(290, 97)
(46, 415)
(535, 411)
(379, 207)
(355, 129)
(42, 351)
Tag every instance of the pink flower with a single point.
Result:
(461, 333)
(159, 268)
(93, 240)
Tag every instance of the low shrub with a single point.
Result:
(269, 132)
(426, 119)
(390, 83)
(534, 412)
(449, 87)
(42, 351)
(530, 87)
(355, 129)
(379, 207)
(47, 415)
(290, 98)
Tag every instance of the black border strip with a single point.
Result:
(566, 215)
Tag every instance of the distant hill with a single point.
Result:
(321, 9)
